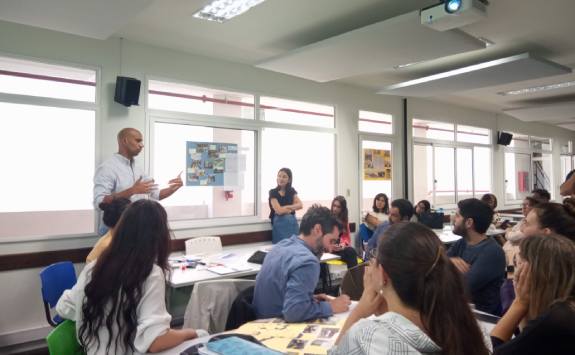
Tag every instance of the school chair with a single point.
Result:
(203, 245)
(55, 279)
(62, 340)
(352, 282)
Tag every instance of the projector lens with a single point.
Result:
(452, 6)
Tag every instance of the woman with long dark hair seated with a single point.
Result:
(417, 295)
(112, 213)
(118, 303)
(343, 247)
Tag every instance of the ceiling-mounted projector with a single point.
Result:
(450, 14)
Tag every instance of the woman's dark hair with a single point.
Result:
(113, 210)
(290, 176)
(425, 204)
(385, 208)
(112, 296)
(560, 218)
(427, 281)
(487, 198)
(343, 215)
(541, 194)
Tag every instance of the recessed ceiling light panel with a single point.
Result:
(223, 10)
(536, 89)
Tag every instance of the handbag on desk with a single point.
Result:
(433, 220)
(258, 257)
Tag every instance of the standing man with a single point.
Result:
(286, 282)
(479, 258)
(119, 177)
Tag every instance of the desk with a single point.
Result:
(181, 281)
(276, 334)
(446, 236)
(513, 217)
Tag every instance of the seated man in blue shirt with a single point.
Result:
(401, 210)
(479, 258)
(290, 272)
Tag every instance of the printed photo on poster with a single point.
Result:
(206, 163)
(376, 164)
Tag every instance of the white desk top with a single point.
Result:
(447, 236)
(233, 257)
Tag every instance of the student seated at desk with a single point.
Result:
(118, 303)
(551, 218)
(479, 258)
(342, 247)
(112, 213)
(418, 298)
(290, 272)
(545, 288)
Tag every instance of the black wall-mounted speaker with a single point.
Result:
(504, 138)
(127, 91)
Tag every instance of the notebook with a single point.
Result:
(237, 346)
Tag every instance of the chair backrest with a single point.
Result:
(352, 282)
(55, 279)
(203, 245)
(211, 301)
(242, 310)
(62, 340)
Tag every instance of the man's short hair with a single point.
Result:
(404, 207)
(321, 215)
(543, 195)
(478, 211)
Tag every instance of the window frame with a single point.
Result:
(66, 104)
(257, 125)
(451, 144)
(529, 150)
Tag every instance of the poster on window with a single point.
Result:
(376, 164)
(209, 164)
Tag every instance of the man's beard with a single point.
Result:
(460, 230)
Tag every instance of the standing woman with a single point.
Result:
(343, 247)
(119, 303)
(283, 201)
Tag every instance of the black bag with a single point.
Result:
(433, 220)
(258, 257)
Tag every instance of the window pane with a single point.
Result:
(423, 173)
(26, 77)
(433, 130)
(296, 112)
(379, 155)
(567, 148)
(482, 171)
(538, 143)
(519, 141)
(313, 176)
(444, 176)
(374, 122)
(194, 99)
(517, 180)
(47, 156)
(464, 173)
(566, 166)
(542, 171)
(473, 134)
(201, 197)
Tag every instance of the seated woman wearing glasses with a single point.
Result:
(417, 296)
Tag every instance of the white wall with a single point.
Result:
(113, 57)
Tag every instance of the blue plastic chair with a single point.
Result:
(55, 279)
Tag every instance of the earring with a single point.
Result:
(380, 291)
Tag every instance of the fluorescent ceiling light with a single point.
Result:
(223, 10)
(507, 70)
(536, 89)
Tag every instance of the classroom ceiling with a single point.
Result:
(282, 28)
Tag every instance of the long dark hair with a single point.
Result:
(112, 296)
(343, 215)
(560, 218)
(290, 176)
(385, 208)
(113, 210)
(427, 281)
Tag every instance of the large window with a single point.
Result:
(47, 148)
(278, 136)
(375, 122)
(567, 159)
(450, 162)
(528, 166)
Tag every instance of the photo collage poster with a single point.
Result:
(206, 162)
(376, 164)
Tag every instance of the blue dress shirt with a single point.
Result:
(286, 282)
